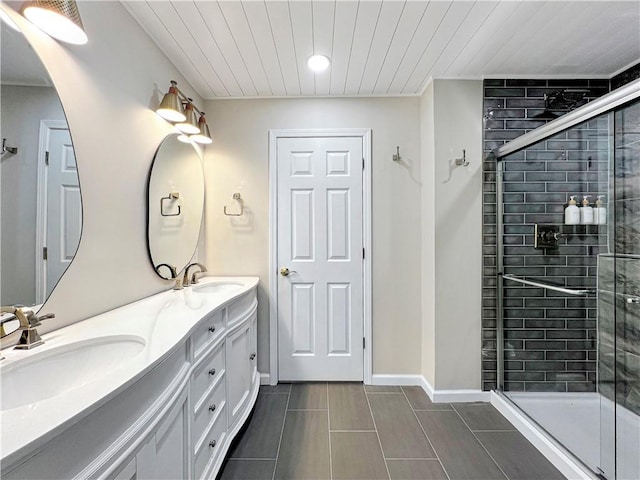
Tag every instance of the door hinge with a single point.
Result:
(363, 163)
(46, 158)
(363, 253)
(45, 253)
(363, 342)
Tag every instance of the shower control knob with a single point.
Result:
(635, 300)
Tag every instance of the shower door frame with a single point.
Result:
(605, 104)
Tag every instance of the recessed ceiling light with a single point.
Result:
(318, 63)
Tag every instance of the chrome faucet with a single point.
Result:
(30, 337)
(194, 279)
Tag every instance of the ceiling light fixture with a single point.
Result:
(59, 19)
(179, 109)
(318, 63)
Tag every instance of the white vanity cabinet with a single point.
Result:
(176, 421)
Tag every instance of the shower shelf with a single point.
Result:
(546, 286)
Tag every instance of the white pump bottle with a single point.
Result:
(586, 211)
(600, 212)
(572, 212)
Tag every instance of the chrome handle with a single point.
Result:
(212, 372)
(212, 408)
(212, 443)
(546, 286)
(47, 316)
(212, 329)
(252, 356)
(284, 271)
(635, 300)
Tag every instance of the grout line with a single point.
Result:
(377, 433)
(284, 420)
(496, 431)
(425, 434)
(329, 434)
(481, 444)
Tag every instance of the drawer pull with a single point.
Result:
(252, 356)
(212, 408)
(212, 443)
(212, 329)
(212, 372)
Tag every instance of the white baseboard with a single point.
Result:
(556, 455)
(265, 379)
(436, 396)
(408, 380)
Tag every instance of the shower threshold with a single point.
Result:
(583, 423)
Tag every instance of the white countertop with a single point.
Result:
(163, 321)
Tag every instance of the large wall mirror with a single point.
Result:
(176, 203)
(40, 203)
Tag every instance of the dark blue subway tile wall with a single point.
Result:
(550, 339)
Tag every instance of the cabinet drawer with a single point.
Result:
(240, 308)
(209, 330)
(207, 373)
(209, 409)
(210, 448)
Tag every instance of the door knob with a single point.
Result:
(284, 271)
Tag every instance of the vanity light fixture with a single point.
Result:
(59, 19)
(204, 137)
(190, 124)
(318, 63)
(171, 107)
(179, 109)
(8, 20)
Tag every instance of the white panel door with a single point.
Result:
(64, 206)
(320, 241)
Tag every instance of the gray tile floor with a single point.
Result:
(350, 431)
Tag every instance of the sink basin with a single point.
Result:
(68, 367)
(217, 287)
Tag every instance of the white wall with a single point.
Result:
(238, 162)
(22, 110)
(451, 113)
(109, 89)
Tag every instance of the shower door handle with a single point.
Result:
(635, 300)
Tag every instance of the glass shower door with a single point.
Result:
(620, 307)
(550, 274)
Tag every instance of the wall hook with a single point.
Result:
(462, 161)
(396, 156)
(236, 196)
(6, 149)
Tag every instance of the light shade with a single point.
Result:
(171, 107)
(204, 137)
(58, 18)
(318, 63)
(7, 19)
(190, 125)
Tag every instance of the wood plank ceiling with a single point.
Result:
(392, 47)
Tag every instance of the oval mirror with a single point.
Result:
(175, 206)
(40, 203)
